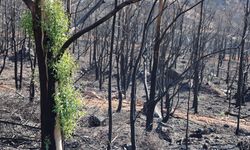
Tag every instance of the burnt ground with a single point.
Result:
(212, 128)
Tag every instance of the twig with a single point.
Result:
(19, 124)
(235, 115)
(18, 139)
(20, 94)
(115, 138)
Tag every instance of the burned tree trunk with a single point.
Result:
(110, 80)
(240, 83)
(196, 62)
(151, 103)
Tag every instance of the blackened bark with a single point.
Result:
(68, 4)
(47, 86)
(123, 73)
(240, 79)
(110, 80)
(4, 60)
(228, 67)
(21, 64)
(14, 46)
(150, 107)
(95, 56)
(6, 45)
(187, 125)
(118, 66)
(47, 82)
(118, 86)
(32, 66)
(168, 107)
(197, 63)
(151, 103)
(134, 73)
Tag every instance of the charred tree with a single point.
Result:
(196, 61)
(240, 84)
(110, 79)
(151, 103)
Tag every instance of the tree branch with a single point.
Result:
(17, 139)
(176, 17)
(19, 124)
(30, 4)
(181, 77)
(91, 27)
(84, 18)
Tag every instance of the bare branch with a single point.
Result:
(30, 4)
(91, 27)
(175, 19)
(19, 124)
(85, 17)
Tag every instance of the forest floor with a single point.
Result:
(211, 128)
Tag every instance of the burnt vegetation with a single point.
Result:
(124, 74)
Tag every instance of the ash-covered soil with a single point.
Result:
(212, 128)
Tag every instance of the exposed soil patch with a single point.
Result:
(217, 121)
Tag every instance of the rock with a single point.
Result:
(199, 131)
(246, 95)
(244, 132)
(244, 145)
(179, 142)
(74, 144)
(240, 144)
(209, 108)
(212, 130)
(208, 130)
(226, 126)
(204, 146)
(156, 115)
(183, 147)
(196, 135)
(127, 147)
(189, 142)
(207, 141)
(165, 136)
(183, 61)
(17, 117)
(216, 82)
(95, 121)
(163, 133)
(185, 86)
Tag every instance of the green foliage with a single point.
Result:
(67, 106)
(67, 99)
(65, 67)
(55, 24)
(26, 23)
